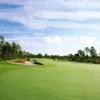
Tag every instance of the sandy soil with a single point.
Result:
(26, 63)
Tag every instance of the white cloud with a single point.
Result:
(33, 23)
(70, 39)
(73, 25)
(32, 10)
(64, 15)
(54, 44)
(80, 4)
(59, 14)
(26, 20)
(53, 39)
(87, 40)
(28, 15)
(58, 4)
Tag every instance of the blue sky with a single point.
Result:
(51, 26)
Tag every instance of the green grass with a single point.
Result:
(55, 80)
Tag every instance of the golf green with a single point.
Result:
(55, 80)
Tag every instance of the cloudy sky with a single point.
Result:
(51, 26)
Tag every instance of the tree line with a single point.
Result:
(87, 55)
(9, 50)
(13, 50)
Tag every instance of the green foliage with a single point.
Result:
(87, 55)
(10, 50)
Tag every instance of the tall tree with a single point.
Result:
(1, 44)
(93, 54)
(81, 55)
(15, 49)
(6, 50)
